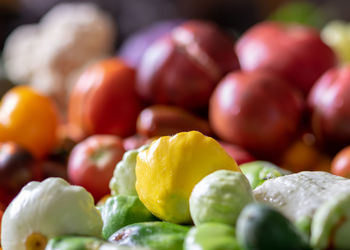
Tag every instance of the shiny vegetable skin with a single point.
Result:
(211, 236)
(161, 120)
(73, 243)
(257, 172)
(104, 100)
(122, 210)
(183, 67)
(264, 228)
(154, 235)
(29, 119)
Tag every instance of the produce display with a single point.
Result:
(36, 55)
(185, 138)
(43, 210)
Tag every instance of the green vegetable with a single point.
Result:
(304, 224)
(258, 172)
(74, 243)
(211, 236)
(331, 225)
(301, 12)
(124, 178)
(262, 227)
(120, 211)
(220, 197)
(155, 235)
(83, 243)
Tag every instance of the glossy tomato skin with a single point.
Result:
(329, 102)
(257, 111)
(92, 162)
(341, 163)
(30, 119)
(294, 52)
(17, 168)
(183, 67)
(104, 100)
(162, 120)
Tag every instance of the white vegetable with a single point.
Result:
(43, 210)
(299, 195)
(331, 224)
(50, 54)
(124, 177)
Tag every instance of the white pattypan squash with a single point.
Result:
(43, 210)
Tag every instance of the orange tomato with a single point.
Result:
(300, 157)
(303, 155)
(324, 164)
(29, 119)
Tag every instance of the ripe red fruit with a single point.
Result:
(183, 67)
(92, 162)
(104, 100)
(329, 101)
(292, 51)
(256, 110)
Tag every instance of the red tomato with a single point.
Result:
(104, 100)
(92, 162)
(341, 163)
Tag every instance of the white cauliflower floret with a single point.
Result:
(48, 55)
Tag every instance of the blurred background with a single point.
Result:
(133, 15)
(130, 16)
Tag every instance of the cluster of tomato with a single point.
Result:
(179, 85)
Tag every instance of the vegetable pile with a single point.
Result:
(196, 142)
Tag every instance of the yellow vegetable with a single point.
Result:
(169, 169)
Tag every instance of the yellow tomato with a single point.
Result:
(29, 119)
